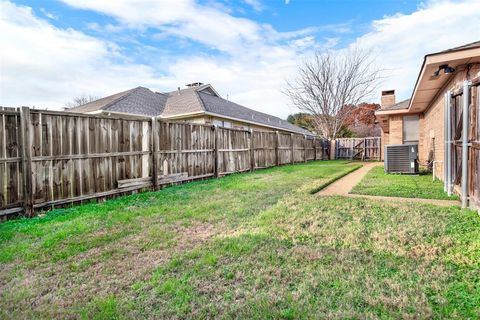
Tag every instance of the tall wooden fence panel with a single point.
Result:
(474, 164)
(11, 170)
(264, 145)
(184, 151)
(285, 148)
(75, 157)
(234, 150)
(71, 157)
(298, 148)
(310, 148)
(474, 152)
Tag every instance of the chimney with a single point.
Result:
(194, 84)
(387, 99)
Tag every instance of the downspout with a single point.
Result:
(445, 106)
(466, 96)
(449, 143)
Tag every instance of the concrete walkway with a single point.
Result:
(343, 187)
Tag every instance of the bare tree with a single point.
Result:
(330, 81)
(80, 100)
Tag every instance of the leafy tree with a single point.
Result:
(361, 119)
(302, 120)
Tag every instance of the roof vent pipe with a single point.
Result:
(178, 88)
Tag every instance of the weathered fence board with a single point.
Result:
(11, 171)
(70, 157)
(185, 148)
(473, 138)
(285, 148)
(75, 156)
(234, 151)
(264, 149)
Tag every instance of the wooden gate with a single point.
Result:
(473, 142)
(358, 148)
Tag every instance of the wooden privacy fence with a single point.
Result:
(471, 194)
(368, 148)
(50, 158)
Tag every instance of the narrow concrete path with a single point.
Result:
(343, 187)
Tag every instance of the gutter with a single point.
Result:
(183, 115)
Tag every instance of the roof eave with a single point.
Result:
(440, 58)
(184, 115)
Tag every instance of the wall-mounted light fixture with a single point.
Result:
(446, 69)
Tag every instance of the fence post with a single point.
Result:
(26, 161)
(277, 144)
(291, 147)
(155, 144)
(215, 150)
(336, 149)
(252, 151)
(379, 148)
(364, 149)
(314, 149)
(305, 148)
(351, 149)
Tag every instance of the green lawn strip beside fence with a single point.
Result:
(379, 183)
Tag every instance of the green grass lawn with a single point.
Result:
(379, 183)
(254, 245)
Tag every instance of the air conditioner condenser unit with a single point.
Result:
(401, 158)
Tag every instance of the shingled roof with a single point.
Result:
(138, 101)
(202, 99)
(220, 106)
(470, 45)
(398, 106)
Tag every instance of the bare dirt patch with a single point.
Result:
(108, 270)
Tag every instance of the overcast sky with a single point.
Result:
(52, 51)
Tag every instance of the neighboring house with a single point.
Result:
(197, 103)
(421, 119)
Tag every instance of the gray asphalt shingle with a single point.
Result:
(142, 101)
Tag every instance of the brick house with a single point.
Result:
(421, 119)
(198, 103)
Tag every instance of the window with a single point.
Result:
(411, 129)
(220, 123)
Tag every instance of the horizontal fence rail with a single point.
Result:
(50, 158)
